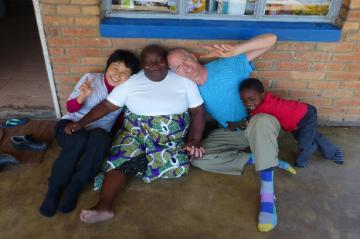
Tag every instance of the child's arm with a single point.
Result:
(82, 91)
(73, 105)
(253, 47)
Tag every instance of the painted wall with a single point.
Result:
(324, 74)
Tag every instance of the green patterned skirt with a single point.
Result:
(150, 147)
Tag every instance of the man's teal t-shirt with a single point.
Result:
(221, 89)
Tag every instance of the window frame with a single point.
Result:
(334, 10)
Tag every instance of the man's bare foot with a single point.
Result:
(94, 216)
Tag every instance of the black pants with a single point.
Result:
(309, 139)
(80, 158)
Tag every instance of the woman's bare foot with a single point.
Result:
(94, 216)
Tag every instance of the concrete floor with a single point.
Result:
(321, 201)
(24, 86)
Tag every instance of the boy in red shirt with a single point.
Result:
(296, 117)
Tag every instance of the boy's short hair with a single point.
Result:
(129, 59)
(252, 84)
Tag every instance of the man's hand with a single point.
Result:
(73, 127)
(253, 48)
(232, 126)
(85, 90)
(194, 149)
(218, 50)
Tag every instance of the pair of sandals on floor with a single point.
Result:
(24, 142)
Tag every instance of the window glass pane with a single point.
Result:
(145, 6)
(297, 7)
(221, 7)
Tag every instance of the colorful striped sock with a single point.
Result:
(338, 157)
(267, 215)
(251, 160)
(286, 166)
(282, 164)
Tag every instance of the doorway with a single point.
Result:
(24, 85)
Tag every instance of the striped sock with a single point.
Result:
(282, 164)
(251, 160)
(267, 215)
(338, 157)
(286, 166)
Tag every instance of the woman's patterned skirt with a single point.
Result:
(150, 147)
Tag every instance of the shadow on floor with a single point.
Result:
(321, 201)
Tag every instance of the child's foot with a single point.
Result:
(94, 216)
(301, 165)
(282, 164)
(338, 157)
(267, 215)
(303, 158)
(68, 202)
(49, 205)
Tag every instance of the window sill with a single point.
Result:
(214, 30)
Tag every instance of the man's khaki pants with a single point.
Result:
(224, 148)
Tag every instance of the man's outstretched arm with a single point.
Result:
(252, 48)
(256, 46)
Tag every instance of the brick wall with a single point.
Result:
(324, 74)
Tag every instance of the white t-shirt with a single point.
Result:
(142, 96)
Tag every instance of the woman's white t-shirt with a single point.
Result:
(142, 96)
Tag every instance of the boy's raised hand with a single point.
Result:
(85, 90)
(218, 50)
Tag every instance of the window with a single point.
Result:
(244, 10)
(290, 20)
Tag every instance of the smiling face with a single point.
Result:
(155, 63)
(184, 64)
(251, 98)
(117, 73)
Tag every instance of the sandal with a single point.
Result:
(27, 142)
(10, 123)
(6, 160)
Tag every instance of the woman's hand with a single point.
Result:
(72, 127)
(194, 149)
(85, 90)
(196, 129)
(218, 50)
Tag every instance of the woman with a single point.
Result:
(82, 153)
(152, 141)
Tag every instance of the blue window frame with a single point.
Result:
(290, 20)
